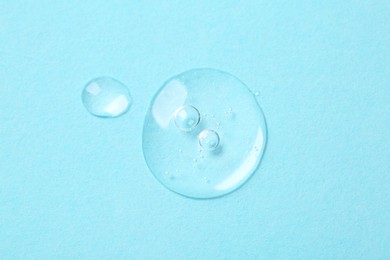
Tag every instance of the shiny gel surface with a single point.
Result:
(215, 156)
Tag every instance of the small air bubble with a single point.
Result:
(187, 118)
(229, 111)
(209, 139)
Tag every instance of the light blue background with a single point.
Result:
(76, 186)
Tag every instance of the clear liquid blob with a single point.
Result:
(221, 152)
(106, 97)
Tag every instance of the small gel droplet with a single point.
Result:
(106, 97)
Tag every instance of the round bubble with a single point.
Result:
(225, 147)
(187, 118)
(106, 97)
(208, 140)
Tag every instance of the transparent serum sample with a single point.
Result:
(106, 97)
(204, 134)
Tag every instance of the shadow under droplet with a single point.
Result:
(217, 151)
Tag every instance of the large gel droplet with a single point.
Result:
(106, 97)
(222, 150)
